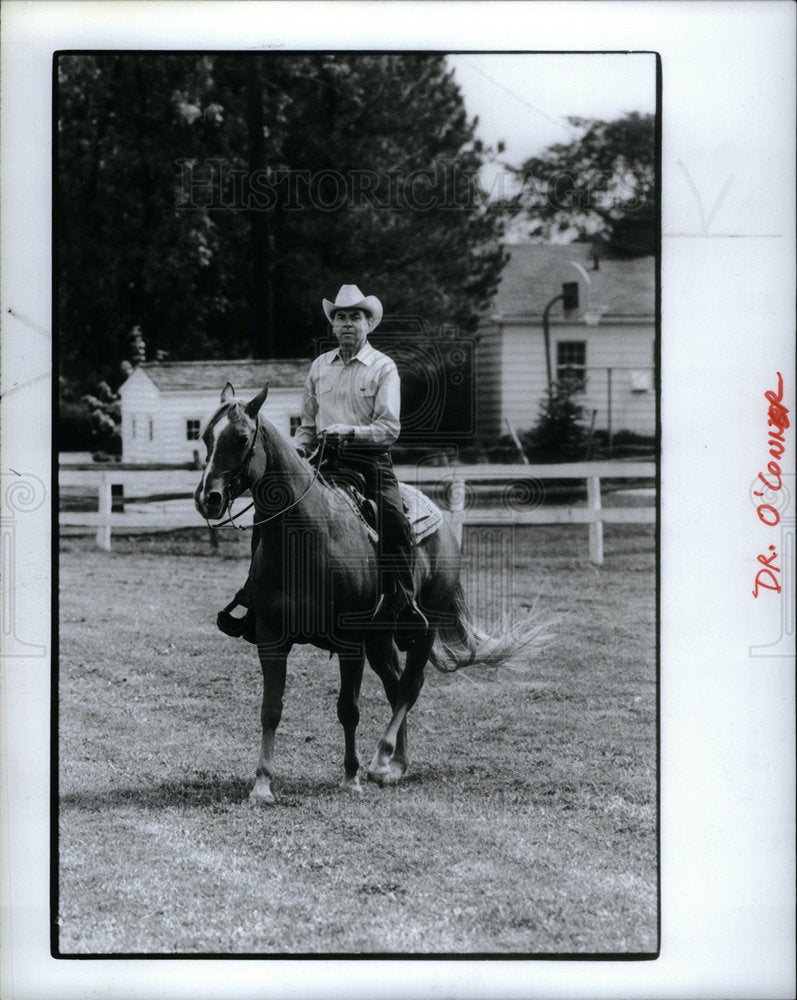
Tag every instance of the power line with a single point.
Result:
(567, 128)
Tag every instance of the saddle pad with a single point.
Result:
(422, 514)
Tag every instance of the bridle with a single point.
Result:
(230, 521)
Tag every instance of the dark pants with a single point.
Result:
(396, 545)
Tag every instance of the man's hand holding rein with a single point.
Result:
(337, 434)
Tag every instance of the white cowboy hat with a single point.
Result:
(350, 297)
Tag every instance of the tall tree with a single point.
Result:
(394, 199)
(600, 187)
(126, 255)
(213, 200)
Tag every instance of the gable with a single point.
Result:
(210, 376)
(138, 384)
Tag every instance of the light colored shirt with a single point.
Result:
(363, 393)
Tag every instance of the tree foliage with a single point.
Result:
(560, 433)
(600, 187)
(212, 201)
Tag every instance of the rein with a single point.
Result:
(230, 521)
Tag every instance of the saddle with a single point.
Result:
(423, 516)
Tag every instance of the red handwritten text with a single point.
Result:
(772, 479)
(767, 577)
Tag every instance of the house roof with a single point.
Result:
(535, 272)
(182, 376)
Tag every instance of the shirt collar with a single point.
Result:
(365, 355)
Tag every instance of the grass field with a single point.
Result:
(527, 823)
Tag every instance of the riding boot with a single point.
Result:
(409, 622)
(243, 627)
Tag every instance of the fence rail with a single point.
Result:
(140, 484)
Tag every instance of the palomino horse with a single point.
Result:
(316, 581)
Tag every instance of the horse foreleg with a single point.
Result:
(385, 662)
(351, 675)
(273, 663)
(410, 683)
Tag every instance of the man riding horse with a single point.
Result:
(351, 404)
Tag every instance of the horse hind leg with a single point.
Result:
(383, 657)
(381, 769)
(351, 675)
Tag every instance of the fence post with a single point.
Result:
(595, 527)
(456, 506)
(104, 505)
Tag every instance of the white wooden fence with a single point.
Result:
(455, 479)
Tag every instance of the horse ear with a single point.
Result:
(253, 406)
(227, 393)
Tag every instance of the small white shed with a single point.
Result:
(165, 404)
(610, 348)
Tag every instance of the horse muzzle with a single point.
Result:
(209, 502)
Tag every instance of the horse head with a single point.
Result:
(230, 440)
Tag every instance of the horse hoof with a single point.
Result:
(379, 776)
(261, 799)
(351, 785)
(396, 771)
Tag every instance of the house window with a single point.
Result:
(571, 362)
(133, 422)
(151, 428)
(192, 430)
(296, 423)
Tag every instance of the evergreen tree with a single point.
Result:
(559, 433)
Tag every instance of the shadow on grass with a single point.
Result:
(218, 793)
(213, 792)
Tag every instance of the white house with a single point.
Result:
(166, 404)
(609, 342)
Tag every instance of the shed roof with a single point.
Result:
(182, 376)
(533, 276)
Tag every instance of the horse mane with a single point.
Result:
(276, 444)
(282, 456)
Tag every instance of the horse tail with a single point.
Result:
(460, 642)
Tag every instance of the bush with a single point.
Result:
(559, 434)
(90, 422)
(75, 428)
